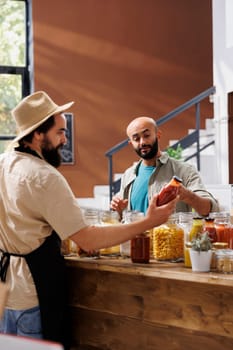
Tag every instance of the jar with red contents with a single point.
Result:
(222, 225)
(140, 249)
(210, 227)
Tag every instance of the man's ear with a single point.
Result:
(159, 133)
(38, 135)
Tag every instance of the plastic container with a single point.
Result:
(169, 191)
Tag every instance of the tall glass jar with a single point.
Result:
(210, 227)
(222, 226)
(140, 249)
(92, 217)
(129, 216)
(168, 241)
(186, 222)
(109, 217)
(197, 227)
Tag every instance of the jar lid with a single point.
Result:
(220, 245)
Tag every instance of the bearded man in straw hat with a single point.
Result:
(38, 210)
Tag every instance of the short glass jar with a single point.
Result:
(224, 261)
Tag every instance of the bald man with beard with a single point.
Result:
(155, 169)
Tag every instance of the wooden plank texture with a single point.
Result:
(119, 310)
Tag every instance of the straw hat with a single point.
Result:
(33, 111)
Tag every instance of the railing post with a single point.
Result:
(110, 176)
(197, 107)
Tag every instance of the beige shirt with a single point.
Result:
(34, 200)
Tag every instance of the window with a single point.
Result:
(16, 63)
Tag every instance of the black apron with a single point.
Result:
(47, 266)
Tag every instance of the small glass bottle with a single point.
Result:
(169, 191)
(140, 249)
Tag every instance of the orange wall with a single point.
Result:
(118, 59)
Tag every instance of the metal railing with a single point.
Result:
(190, 139)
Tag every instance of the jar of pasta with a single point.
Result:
(168, 241)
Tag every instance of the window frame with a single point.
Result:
(26, 71)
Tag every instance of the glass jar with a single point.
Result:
(222, 226)
(187, 259)
(209, 226)
(109, 217)
(224, 261)
(91, 216)
(140, 249)
(129, 216)
(215, 247)
(197, 227)
(168, 241)
(69, 247)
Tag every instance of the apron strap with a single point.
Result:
(5, 262)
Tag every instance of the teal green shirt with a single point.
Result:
(139, 195)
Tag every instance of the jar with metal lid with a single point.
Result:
(216, 246)
(224, 261)
(168, 241)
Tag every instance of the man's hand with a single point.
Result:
(118, 204)
(160, 215)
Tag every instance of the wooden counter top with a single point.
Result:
(117, 305)
(161, 269)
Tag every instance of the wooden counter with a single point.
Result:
(117, 305)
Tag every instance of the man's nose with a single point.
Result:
(64, 139)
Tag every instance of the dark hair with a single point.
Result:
(43, 128)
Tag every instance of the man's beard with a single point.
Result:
(51, 155)
(151, 154)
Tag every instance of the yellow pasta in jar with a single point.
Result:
(168, 242)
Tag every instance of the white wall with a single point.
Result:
(222, 79)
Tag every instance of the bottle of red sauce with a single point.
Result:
(169, 191)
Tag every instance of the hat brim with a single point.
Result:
(57, 110)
